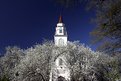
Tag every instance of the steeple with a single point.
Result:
(60, 19)
(60, 37)
(59, 68)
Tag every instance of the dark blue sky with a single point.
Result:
(26, 22)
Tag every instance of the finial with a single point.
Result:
(60, 19)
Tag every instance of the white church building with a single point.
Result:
(59, 69)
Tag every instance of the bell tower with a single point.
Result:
(60, 37)
(59, 66)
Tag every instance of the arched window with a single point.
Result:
(60, 61)
(60, 78)
(61, 42)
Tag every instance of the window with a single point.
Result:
(60, 61)
(60, 31)
(61, 42)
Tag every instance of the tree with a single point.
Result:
(4, 79)
(10, 59)
(86, 65)
(107, 68)
(36, 64)
(108, 30)
(81, 60)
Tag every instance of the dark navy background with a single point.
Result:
(24, 23)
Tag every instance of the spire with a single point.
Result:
(60, 19)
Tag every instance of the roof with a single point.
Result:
(60, 19)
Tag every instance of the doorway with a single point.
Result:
(60, 78)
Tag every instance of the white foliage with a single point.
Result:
(10, 60)
(38, 62)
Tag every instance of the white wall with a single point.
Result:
(56, 40)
